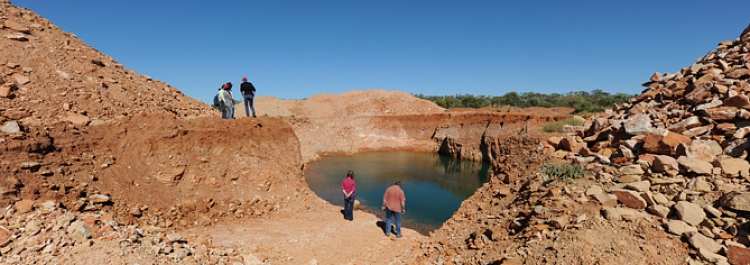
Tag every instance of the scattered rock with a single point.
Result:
(631, 199)
(24, 206)
(701, 242)
(733, 166)
(11, 127)
(695, 165)
(616, 214)
(689, 212)
(738, 255)
(736, 200)
(679, 227)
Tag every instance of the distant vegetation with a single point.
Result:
(581, 101)
(557, 126)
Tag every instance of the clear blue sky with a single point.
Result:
(295, 49)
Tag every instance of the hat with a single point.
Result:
(244, 78)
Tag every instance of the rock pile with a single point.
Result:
(49, 234)
(670, 165)
(524, 215)
(678, 151)
(48, 75)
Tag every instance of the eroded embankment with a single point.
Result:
(158, 168)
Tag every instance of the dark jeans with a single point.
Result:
(249, 101)
(395, 215)
(349, 208)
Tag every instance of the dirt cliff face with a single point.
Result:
(389, 120)
(159, 162)
(86, 124)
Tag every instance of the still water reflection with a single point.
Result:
(434, 185)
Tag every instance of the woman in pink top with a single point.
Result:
(348, 186)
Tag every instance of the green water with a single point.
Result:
(434, 185)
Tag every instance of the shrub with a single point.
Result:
(557, 126)
(564, 172)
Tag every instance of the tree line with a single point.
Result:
(582, 101)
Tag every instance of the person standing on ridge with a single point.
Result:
(225, 102)
(394, 205)
(248, 94)
(231, 102)
(348, 186)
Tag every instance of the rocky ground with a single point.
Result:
(102, 165)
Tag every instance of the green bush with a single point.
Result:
(564, 172)
(557, 126)
(581, 101)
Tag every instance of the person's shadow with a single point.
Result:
(381, 225)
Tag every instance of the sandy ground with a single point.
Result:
(318, 236)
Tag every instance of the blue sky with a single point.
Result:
(295, 49)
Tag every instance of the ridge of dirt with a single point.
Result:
(375, 102)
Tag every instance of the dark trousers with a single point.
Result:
(249, 103)
(397, 220)
(349, 208)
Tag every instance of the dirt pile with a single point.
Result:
(48, 75)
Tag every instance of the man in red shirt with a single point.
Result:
(394, 204)
(348, 186)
